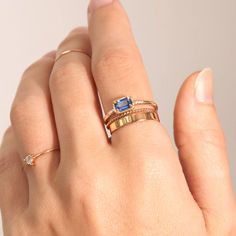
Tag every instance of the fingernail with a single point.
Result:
(79, 30)
(204, 86)
(94, 4)
(51, 54)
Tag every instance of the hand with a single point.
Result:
(132, 184)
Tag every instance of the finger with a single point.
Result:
(202, 150)
(13, 181)
(74, 97)
(118, 71)
(33, 122)
(116, 62)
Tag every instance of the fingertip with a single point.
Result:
(194, 108)
(186, 91)
(196, 89)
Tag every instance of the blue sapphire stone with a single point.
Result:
(123, 104)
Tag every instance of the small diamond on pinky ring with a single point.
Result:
(29, 160)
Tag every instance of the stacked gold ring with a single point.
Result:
(126, 111)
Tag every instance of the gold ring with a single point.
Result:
(70, 51)
(115, 118)
(125, 104)
(30, 158)
(129, 119)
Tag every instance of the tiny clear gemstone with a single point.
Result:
(29, 160)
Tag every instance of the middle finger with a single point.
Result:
(117, 64)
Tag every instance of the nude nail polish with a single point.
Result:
(204, 86)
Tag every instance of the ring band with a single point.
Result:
(128, 113)
(30, 159)
(70, 51)
(124, 104)
(133, 118)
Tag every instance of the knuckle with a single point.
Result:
(6, 150)
(68, 40)
(63, 42)
(8, 132)
(94, 190)
(62, 73)
(151, 168)
(121, 60)
(212, 137)
(5, 162)
(79, 40)
(18, 111)
(24, 109)
(92, 184)
(31, 70)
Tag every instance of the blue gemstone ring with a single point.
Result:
(125, 104)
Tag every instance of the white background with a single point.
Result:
(175, 38)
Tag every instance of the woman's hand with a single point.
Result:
(134, 183)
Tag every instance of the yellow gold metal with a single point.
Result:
(70, 51)
(135, 103)
(129, 119)
(33, 157)
(133, 111)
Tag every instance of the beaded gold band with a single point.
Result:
(70, 51)
(30, 159)
(129, 119)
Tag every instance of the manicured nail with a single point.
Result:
(94, 4)
(204, 86)
(51, 54)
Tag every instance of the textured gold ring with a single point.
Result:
(30, 158)
(115, 118)
(129, 119)
(71, 51)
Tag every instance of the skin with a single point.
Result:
(132, 184)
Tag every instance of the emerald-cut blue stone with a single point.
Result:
(123, 104)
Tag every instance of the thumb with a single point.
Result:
(202, 150)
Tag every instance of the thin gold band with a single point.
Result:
(133, 118)
(70, 51)
(30, 159)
